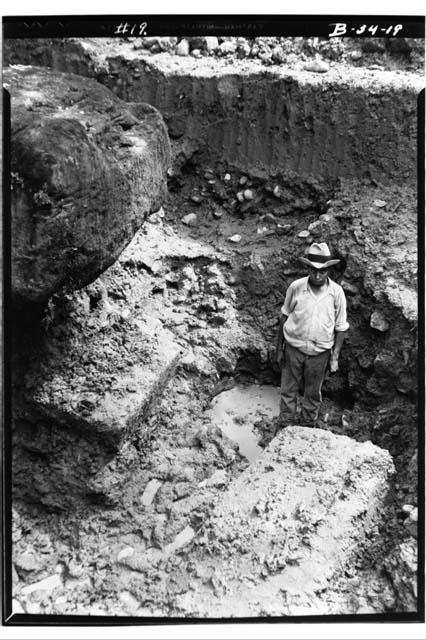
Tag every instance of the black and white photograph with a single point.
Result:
(213, 343)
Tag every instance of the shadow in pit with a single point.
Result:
(59, 470)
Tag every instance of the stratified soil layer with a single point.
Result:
(347, 122)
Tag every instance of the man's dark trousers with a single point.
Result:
(299, 367)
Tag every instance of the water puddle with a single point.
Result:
(235, 412)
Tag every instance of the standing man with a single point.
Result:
(313, 326)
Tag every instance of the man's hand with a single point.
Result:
(334, 362)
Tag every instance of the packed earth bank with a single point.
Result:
(121, 470)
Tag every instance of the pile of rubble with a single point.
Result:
(314, 53)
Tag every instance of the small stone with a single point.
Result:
(27, 562)
(240, 196)
(172, 277)
(316, 66)
(129, 601)
(182, 48)
(243, 180)
(378, 321)
(181, 540)
(217, 214)
(150, 491)
(125, 553)
(197, 199)
(414, 515)
(190, 219)
(407, 508)
(277, 191)
(235, 238)
(196, 53)
(188, 474)
(227, 177)
(217, 479)
(303, 234)
(160, 213)
(380, 203)
(75, 570)
(355, 55)
(324, 217)
(278, 55)
(212, 43)
(283, 229)
(228, 47)
(315, 228)
(248, 194)
(48, 584)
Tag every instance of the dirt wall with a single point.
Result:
(263, 121)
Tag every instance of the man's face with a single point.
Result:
(317, 277)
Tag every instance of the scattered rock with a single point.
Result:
(407, 508)
(125, 553)
(356, 55)
(240, 196)
(227, 177)
(181, 540)
(228, 47)
(317, 66)
(235, 238)
(315, 228)
(243, 180)
(150, 491)
(378, 321)
(303, 234)
(190, 219)
(217, 214)
(47, 584)
(27, 562)
(75, 570)
(277, 191)
(211, 43)
(196, 53)
(413, 514)
(380, 203)
(248, 194)
(217, 479)
(182, 48)
(129, 601)
(278, 55)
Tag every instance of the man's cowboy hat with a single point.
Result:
(319, 256)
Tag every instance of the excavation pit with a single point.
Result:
(293, 162)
